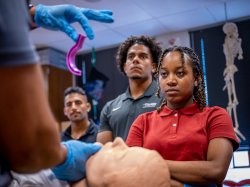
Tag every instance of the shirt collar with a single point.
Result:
(189, 110)
(90, 130)
(149, 92)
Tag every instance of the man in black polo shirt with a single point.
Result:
(136, 58)
(76, 108)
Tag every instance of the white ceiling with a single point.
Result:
(137, 17)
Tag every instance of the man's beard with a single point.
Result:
(135, 77)
(76, 118)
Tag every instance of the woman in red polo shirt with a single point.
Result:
(196, 141)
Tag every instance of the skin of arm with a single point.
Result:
(29, 134)
(175, 183)
(81, 183)
(213, 170)
(104, 137)
(32, 14)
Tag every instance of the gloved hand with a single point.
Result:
(73, 168)
(59, 17)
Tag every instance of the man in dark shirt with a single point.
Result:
(137, 59)
(76, 108)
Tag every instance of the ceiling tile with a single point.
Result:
(149, 17)
(150, 27)
(187, 20)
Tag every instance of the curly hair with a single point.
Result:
(199, 90)
(147, 41)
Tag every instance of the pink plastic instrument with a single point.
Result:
(70, 58)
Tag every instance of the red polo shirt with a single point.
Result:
(182, 134)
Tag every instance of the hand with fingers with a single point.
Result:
(73, 169)
(59, 17)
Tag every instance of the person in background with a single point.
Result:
(76, 108)
(137, 58)
(29, 133)
(196, 141)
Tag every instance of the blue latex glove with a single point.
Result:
(73, 168)
(59, 17)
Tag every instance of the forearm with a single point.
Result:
(29, 134)
(175, 183)
(195, 172)
(81, 183)
(210, 171)
(104, 137)
(32, 10)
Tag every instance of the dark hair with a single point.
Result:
(74, 89)
(199, 90)
(147, 41)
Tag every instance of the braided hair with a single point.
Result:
(199, 90)
(154, 47)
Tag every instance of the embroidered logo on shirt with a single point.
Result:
(149, 105)
(114, 109)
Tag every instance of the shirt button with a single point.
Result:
(174, 125)
(175, 114)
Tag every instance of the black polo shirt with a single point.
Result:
(88, 137)
(119, 114)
